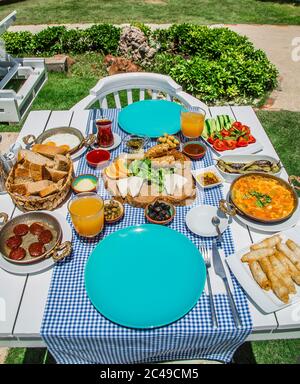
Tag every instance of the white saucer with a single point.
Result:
(291, 222)
(198, 220)
(42, 265)
(117, 142)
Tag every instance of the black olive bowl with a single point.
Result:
(161, 222)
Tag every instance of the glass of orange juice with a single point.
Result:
(87, 214)
(192, 123)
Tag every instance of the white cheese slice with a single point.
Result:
(123, 185)
(135, 185)
(170, 184)
(180, 181)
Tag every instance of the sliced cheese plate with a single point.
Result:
(267, 301)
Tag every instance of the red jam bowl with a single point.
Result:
(98, 158)
(194, 150)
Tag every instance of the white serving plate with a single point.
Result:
(229, 177)
(212, 168)
(265, 300)
(34, 268)
(250, 149)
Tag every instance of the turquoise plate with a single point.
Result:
(152, 118)
(145, 276)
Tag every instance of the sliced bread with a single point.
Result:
(28, 157)
(22, 172)
(38, 172)
(36, 187)
(55, 174)
(33, 188)
(21, 188)
(23, 180)
(61, 163)
(53, 188)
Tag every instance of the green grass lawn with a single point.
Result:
(62, 91)
(154, 11)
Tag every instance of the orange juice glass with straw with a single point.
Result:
(87, 214)
(192, 123)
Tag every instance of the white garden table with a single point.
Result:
(23, 298)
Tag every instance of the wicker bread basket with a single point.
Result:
(36, 203)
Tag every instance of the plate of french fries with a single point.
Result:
(269, 271)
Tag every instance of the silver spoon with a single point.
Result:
(216, 222)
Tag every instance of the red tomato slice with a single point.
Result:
(237, 124)
(219, 145)
(231, 144)
(252, 139)
(224, 132)
(245, 129)
(242, 142)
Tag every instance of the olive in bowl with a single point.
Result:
(160, 212)
(113, 211)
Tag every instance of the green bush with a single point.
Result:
(75, 41)
(102, 38)
(214, 64)
(18, 43)
(48, 40)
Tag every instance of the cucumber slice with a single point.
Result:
(206, 130)
(220, 121)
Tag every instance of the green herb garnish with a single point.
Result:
(262, 200)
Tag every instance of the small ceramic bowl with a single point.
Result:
(90, 182)
(121, 214)
(98, 158)
(164, 222)
(191, 155)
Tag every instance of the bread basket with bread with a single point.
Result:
(38, 182)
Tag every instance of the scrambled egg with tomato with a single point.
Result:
(263, 198)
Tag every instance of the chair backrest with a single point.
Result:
(119, 90)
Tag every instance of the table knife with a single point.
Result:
(220, 271)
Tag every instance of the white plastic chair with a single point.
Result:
(142, 81)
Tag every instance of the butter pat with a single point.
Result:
(85, 185)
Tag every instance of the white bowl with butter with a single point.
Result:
(85, 183)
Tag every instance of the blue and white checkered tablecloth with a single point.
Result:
(75, 332)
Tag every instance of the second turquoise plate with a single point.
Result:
(151, 118)
(145, 276)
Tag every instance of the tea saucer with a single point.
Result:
(117, 142)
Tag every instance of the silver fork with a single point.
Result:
(206, 256)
